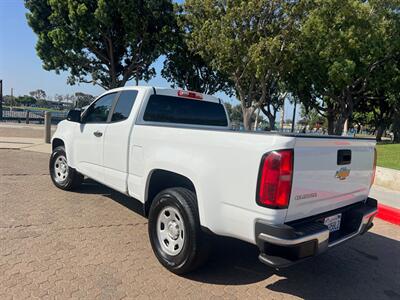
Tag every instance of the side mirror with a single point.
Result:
(74, 115)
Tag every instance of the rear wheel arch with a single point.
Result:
(159, 180)
(175, 231)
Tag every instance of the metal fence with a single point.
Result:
(32, 116)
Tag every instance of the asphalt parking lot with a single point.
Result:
(92, 243)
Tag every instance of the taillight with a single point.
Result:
(275, 179)
(373, 168)
(190, 94)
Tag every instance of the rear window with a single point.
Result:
(168, 109)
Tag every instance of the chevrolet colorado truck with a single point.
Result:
(294, 196)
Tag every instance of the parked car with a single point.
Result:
(292, 195)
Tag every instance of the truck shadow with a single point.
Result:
(367, 267)
(92, 187)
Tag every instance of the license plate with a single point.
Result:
(333, 222)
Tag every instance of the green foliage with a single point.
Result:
(311, 118)
(25, 100)
(342, 48)
(248, 41)
(236, 116)
(339, 58)
(188, 70)
(101, 42)
(235, 113)
(8, 100)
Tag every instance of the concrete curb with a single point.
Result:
(389, 214)
(388, 178)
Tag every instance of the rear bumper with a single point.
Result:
(286, 244)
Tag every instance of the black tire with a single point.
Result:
(72, 179)
(195, 247)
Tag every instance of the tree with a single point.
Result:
(377, 112)
(396, 124)
(236, 115)
(311, 117)
(38, 94)
(26, 100)
(8, 100)
(102, 42)
(188, 70)
(64, 100)
(342, 45)
(380, 102)
(247, 41)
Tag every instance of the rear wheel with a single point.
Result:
(62, 175)
(174, 231)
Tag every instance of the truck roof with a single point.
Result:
(170, 92)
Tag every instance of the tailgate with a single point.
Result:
(326, 178)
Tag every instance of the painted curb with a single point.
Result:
(389, 214)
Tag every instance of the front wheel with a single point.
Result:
(62, 175)
(174, 231)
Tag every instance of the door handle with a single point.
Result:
(343, 157)
(97, 134)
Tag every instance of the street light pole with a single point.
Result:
(12, 98)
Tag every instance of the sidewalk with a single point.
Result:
(29, 137)
(23, 143)
(23, 130)
(385, 196)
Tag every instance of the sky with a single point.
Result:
(21, 69)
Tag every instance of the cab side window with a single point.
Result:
(98, 111)
(124, 106)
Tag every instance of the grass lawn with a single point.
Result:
(33, 108)
(388, 155)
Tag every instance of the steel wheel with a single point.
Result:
(61, 169)
(170, 230)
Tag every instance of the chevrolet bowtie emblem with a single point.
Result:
(342, 173)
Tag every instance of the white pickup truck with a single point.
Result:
(294, 196)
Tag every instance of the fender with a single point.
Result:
(64, 132)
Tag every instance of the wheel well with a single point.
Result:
(56, 143)
(161, 180)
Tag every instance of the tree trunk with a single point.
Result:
(396, 127)
(137, 78)
(247, 114)
(379, 133)
(341, 121)
(271, 117)
(271, 120)
(331, 123)
(256, 122)
(396, 136)
(339, 125)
